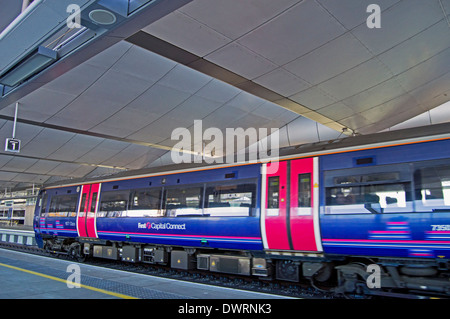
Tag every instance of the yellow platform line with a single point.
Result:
(115, 294)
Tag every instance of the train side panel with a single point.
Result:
(392, 201)
(211, 208)
(208, 232)
(56, 211)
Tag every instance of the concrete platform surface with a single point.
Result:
(36, 277)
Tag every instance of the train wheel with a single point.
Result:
(75, 252)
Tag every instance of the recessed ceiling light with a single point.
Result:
(101, 16)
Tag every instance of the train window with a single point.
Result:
(432, 188)
(369, 191)
(113, 204)
(374, 198)
(304, 190)
(230, 200)
(366, 178)
(146, 203)
(63, 205)
(44, 206)
(184, 201)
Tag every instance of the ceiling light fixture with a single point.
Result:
(29, 66)
(102, 17)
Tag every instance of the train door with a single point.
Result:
(275, 215)
(303, 205)
(290, 218)
(86, 215)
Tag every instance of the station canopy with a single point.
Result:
(314, 69)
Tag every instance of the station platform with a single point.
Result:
(25, 276)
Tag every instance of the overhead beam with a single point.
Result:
(87, 133)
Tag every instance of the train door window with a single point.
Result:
(93, 202)
(304, 190)
(83, 204)
(432, 188)
(146, 203)
(183, 201)
(273, 196)
(303, 206)
(230, 199)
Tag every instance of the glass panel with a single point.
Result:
(83, 202)
(113, 204)
(230, 200)
(44, 205)
(273, 194)
(146, 203)
(63, 205)
(304, 190)
(93, 202)
(367, 178)
(377, 198)
(432, 188)
(183, 201)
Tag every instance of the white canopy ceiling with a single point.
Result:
(310, 68)
(321, 56)
(117, 111)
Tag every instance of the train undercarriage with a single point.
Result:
(339, 275)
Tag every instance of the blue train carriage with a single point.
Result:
(55, 215)
(207, 208)
(154, 217)
(392, 203)
(326, 216)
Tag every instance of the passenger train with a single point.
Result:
(336, 214)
